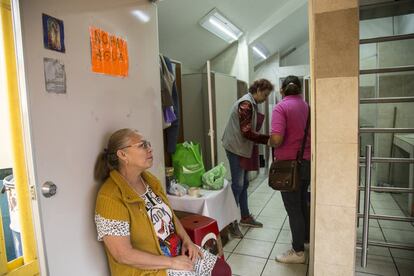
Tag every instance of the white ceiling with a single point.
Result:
(183, 39)
(291, 32)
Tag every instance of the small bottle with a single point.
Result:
(169, 177)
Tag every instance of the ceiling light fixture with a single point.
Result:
(259, 52)
(219, 25)
(142, 16)
(221, 28)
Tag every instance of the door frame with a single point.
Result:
(33, 260)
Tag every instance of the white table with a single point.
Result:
(406, 143)
(219, 205)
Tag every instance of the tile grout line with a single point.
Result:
(244, 235)
(268, 258)
(232, 251)
(279, 232)
(389, 249)
(368, 273)
(385, 239)
(258, 184)
(383, 229)
(247, 255)
(277, 237)
(252, 239)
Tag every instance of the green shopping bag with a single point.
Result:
(188, 164)
(214, 178)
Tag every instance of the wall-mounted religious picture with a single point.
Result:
(53, 33)
(55, 76)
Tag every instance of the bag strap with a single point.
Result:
(190, 146)
(299, 156)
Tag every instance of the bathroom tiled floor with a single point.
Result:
(384, 261)
(254, 255)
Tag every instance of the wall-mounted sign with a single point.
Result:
(109, 53)
(55, 76)
(53, 33)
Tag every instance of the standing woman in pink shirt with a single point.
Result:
(289, 120)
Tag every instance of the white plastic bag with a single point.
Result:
(177, 189)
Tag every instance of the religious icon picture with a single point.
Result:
(55, 76)
(53, 33)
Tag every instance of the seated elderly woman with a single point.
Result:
(141, 234)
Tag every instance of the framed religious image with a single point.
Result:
(53, 33)
(55, 76)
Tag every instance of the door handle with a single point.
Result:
(367, 203)
(49, 189)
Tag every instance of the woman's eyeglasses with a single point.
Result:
(144, 144)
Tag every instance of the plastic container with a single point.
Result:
(8, 182)
(169, 177)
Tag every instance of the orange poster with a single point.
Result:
(109, 53)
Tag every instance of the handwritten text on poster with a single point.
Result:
(109, 53)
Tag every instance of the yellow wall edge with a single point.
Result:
(19, 163)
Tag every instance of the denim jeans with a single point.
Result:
(297, 205)
(239, 183)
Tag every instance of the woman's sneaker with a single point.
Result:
(250, 222)
(235, 230)
(291, 257)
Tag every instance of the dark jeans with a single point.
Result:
(239, 183)
(297, 206)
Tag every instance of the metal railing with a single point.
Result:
(367, 203)
(392, 218)
(396, 69)
(387, 100)
(387, 160)
(366, 162)
(388, 245)
(388, 189)
(386, 38)
(385, 130)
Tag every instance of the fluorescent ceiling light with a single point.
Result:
(221, 28)
(142, 16)
(259, 52)
(219, 25)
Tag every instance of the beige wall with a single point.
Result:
(233, 61)
(297, 57)
(334, 44)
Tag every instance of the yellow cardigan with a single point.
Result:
(118, 204)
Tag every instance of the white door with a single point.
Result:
(69, 130)
(225, 96)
